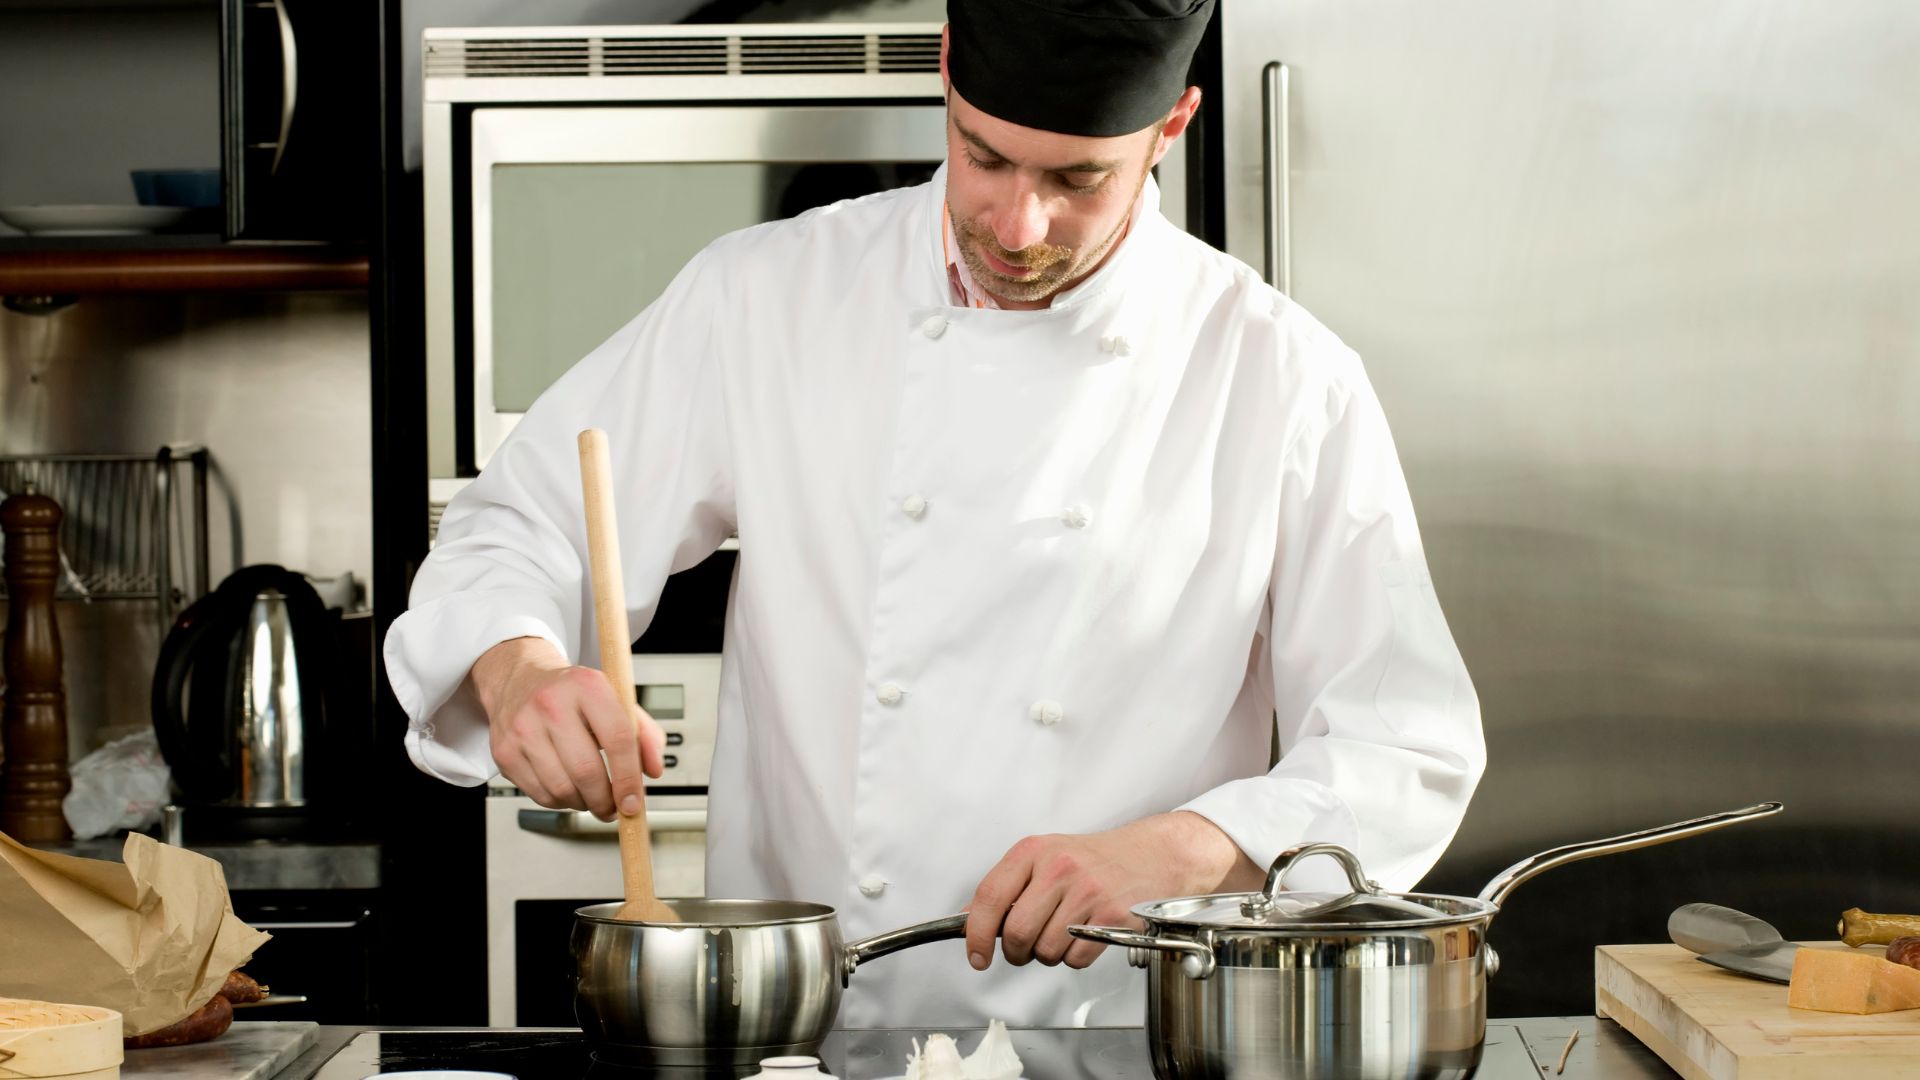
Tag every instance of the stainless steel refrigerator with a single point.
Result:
(1639, 285)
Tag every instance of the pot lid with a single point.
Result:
(1275, 908)
(1303, 911)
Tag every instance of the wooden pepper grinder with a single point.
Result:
(33, 725)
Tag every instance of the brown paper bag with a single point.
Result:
(152, 937)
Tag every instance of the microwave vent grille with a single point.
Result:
(740, 54)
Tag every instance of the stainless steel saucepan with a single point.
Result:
(1365, 985)
(733, 980)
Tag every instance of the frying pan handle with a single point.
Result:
(1509, 879)
(1196, 960)
(859, 952)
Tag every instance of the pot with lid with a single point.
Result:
(1334, 986)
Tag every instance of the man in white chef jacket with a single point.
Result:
(1048, 511)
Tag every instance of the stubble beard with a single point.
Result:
(1059, 267)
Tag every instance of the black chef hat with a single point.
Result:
(1077, 67)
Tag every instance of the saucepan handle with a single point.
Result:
(859, 952)
(1509, 879)
(1196, 960)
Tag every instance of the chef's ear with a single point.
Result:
(1176, 123)
(946, 81)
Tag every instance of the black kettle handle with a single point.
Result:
(199, 780)
(222, 613)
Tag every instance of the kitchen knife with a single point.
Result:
(1732, 940)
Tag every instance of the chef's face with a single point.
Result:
(1035, 211)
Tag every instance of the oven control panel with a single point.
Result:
(681, 691)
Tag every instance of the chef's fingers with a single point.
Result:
(611, 730)
(544, 759)
(579, 755)
(1072, 951)
(513, 766)
(1024, 937)
(1055, 945)
(991, 901)
(653, 744)
(1083, 953)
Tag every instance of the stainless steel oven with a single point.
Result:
(571, 171)
(542, 864)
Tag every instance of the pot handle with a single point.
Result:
(859, 952)
(1259, 905)
(1509, 879)
(1196, 960)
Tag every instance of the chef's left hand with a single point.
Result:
(1048, 883)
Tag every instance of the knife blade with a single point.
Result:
(1772, 961)
(1733, 940)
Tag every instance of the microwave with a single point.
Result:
(570, 172)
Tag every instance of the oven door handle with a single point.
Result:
(312, 924)
(579, 824)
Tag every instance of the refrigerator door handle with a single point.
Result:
(1276, 113)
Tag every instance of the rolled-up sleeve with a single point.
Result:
(510, 557)
(1379, 727)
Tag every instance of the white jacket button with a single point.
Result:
(873, 885)
(1076, 516)
(934, 326)
(914, 506)
(1047, 712)
(889, 694)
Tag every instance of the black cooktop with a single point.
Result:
(564, 1054)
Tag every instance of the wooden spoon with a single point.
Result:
(616, 659)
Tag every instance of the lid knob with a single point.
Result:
(1259, 905)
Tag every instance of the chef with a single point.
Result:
(1054, 524)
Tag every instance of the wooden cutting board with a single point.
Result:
(1710, 1024)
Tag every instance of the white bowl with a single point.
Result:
(91, 220)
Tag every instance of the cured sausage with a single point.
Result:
(209, 1021)
(240, 988)
(1905, 950)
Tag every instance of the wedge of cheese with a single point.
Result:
(44, 1039)
(1846, 981)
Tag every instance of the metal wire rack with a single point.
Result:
(133, 526)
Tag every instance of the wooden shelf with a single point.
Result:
(73, 269)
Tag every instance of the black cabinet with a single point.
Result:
(300, 118)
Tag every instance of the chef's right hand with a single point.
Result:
(549, 721)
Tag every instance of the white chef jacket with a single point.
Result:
(1001, 573)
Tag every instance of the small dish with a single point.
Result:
(91, 220)
(195, 188)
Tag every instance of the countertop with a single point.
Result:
(248, 1051)
(1603, 1051)
(263, 864)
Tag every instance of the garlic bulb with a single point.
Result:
(940, 1059)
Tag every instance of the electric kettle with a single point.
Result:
(240, 689)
